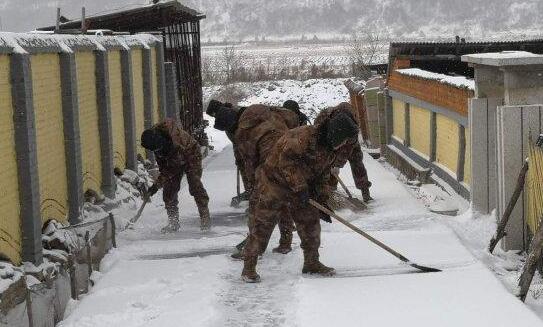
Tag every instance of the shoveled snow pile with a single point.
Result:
(456, 81)
(312, 95)
(8, 275)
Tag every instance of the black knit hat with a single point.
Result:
(213, 106)
(295, 107)
(226, 119)
(152, 140)
(340, 128)
(292, 105)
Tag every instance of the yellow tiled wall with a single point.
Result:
(154, 86)
(50, 136)
(117, 116)
(419, 124)
(398, 113)
(10, 220)
(88, 121)
(467, 164)
(447, 142)
(137, 78)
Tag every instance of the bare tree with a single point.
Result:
(364, 48)
(234, 63)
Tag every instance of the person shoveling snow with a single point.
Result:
(297, 169)
(176, 153)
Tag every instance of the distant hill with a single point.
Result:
(251, 19)
(236, 20)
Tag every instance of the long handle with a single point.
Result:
(238, 186)
(371, 238)
(342, 184)
(138, 214)
(357, 230)
(140, 211)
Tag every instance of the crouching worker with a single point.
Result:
(354, 154)
(258, 129)
(297, 169)
(226, 116)
(176, 153)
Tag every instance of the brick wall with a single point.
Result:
(117, 117)
(88, 121)
(433, 92)
(10, 230)
(137, 77)
(50, 136)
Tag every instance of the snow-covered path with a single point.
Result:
(188, 278)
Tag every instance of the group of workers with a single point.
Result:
(284, 161)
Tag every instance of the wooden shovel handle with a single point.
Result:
(342, 184)
(358, 230)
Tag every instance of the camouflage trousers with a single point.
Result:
(284, 223)
(196, 189)
(272, 205)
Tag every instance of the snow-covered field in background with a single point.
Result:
(188, 278)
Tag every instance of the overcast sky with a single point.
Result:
(251, 19)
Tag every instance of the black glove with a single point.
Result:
(303, 198)
(151, 191)
(324, 216)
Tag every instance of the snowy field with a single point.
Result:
(299, 56)
(189, 279)
(332, 54)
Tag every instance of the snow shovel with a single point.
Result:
(371, 238)
(138, 214)
(354, 201)
(237, 199)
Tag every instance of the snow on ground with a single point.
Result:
(188, 278)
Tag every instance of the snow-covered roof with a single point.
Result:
(504, 58)
(34, 42)
(456, 81)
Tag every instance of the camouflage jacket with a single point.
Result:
(185, 155)
(297, 163)
(259, 128)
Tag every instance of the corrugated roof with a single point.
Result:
(470, 42)
(138, 18)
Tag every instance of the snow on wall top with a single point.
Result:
(22, 42)
(455, 81)
(504, 58)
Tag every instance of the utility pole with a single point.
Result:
(83, 21)
(57, 25)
